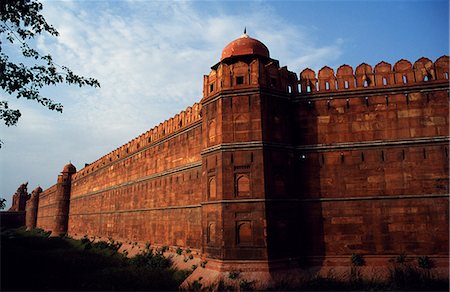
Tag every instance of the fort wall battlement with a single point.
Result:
(382, 75)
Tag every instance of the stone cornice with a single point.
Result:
(327, 147)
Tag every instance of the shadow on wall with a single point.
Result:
(294, 223)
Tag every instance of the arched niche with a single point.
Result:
(211, 233)
(212, 132)
(244, 232)
(242, 185)
(212, 188)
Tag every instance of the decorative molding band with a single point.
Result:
(327, 147)
(142, 179)
(363, 198)
(375, 144)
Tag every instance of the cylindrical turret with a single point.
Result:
(32, 208)
(63, 199)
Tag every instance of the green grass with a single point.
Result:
(33, 261)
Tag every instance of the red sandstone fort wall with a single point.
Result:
(147, 190)
(373, 159)
(47, 209)
(352, 162)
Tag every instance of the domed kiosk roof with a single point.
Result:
(69, 168)
(244, 45)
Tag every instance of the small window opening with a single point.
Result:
(127, 150)
(445, 75)
(328, 105)
(362, 156)
(367, 100)
(211, 87)
(346, 84)
(382, 155)
(387, 100)
(407, 98)
(323, 159)
(232, 159)
(327, 86)
(137, 146)
(299, 88)
(317, 85)
(308, 88)
(425, 78)
(303, 156)
(405, 80)
(403, 154)
(251, 157)
(446, 151)
(342, 157)
(289, 88)
(239, 80)
(348, 103)
(424, 153)
(366, 84)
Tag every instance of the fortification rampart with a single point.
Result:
(47, 208)
(270, 166)
(149, 186)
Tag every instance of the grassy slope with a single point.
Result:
(32, 261)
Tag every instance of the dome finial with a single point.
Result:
(245, 30)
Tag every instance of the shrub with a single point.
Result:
(151, 260)
(357, 260)
(233, 274)
(424, 262)
(246, 285)
(179, 251)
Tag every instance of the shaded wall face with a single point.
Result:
(151, 195)
(381, 188)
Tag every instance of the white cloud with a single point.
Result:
(150, 57)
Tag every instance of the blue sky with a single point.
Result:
(150, 58)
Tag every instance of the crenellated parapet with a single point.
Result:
(383, 74)
(153, 136)
(249, 73)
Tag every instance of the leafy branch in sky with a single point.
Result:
(22, 21)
